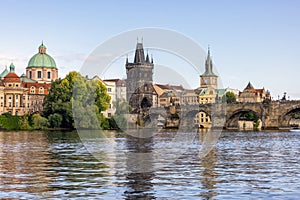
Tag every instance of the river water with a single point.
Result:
(57, 165)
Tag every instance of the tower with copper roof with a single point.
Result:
(209, 79)
(42, 67)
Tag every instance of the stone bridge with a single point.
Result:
(274, 115)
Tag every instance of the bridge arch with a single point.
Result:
(189, 116)
(285, 118)
(233, 118)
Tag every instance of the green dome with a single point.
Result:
(42, 59)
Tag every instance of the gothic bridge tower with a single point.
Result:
(139, 81)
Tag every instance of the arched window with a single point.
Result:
(49, 75)
(41, 90)
(32, 90)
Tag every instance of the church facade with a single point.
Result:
(24, 94)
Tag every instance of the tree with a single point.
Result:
(39, 122)
(24, 122)
(59, 101)
(55, 120)
(119, 120)
(78, 96)
(230, 97)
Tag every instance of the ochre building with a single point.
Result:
(24, 94)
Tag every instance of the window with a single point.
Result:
(9, 85)
(41, 90)
(32, 90)
(17, 96)
(30, 74)
(109, 89)
(1, 104)
(48, 75)
(109, 114)
(9, 104)
(17, 85)
(39, 74)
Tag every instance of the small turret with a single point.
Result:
(42, 48)
(12, 67)
(147, 58)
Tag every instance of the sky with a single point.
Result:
(257, 41)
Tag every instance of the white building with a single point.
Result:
(116, 89)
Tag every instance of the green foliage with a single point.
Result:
(55, 120)
(296, 116)
(119, 120)
(9, 121)
(24, 122)
(87, 98)
(122, 106)
(39, 122)
(230, 97)
(250, 116)
(59, 100)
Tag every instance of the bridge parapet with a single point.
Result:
(274, 115)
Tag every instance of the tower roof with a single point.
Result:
(4, 73)
(139, 56)
(12, 77)
(208, 65)
(249, 86)
(42, 59)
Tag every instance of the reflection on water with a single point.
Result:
(209, 175)
(39, 165)
(139, 168)
(23, 155)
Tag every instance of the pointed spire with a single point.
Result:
(208, 53)
(208, 65)
(147, 58)
(139, 53)
(249, 86)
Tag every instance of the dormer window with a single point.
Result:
(41, 90)
(32, 90)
